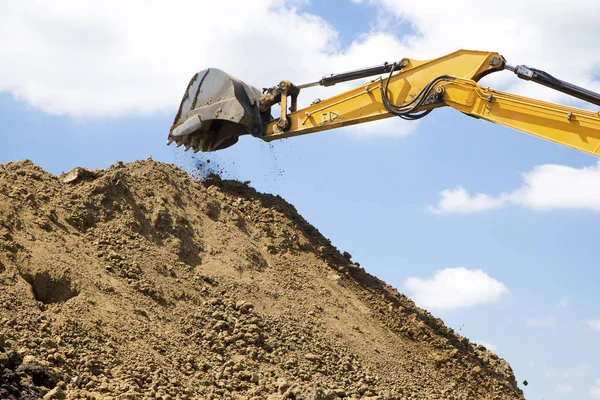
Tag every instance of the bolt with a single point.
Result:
(282, 123)
(569, 115)
(494, 61)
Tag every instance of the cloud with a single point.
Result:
(546, 187)
(573, 371)
(563, 388)
(565, 302)
(593, 323)
(542, 322)
(595, 390)
(113, 57)
(453, 288)
(136, 57)
(491, 347)
(509, 33)
(459, 201)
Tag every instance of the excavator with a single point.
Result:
(217, 108)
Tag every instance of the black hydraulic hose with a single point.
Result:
(544, 78)
(407, 110)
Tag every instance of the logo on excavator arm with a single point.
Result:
(329, 116)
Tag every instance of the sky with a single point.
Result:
(488, 228)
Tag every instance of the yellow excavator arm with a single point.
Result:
(218, 108)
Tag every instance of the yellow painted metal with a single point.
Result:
(364, 103)
(568, 126)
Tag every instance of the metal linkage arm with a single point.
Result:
(569, 126)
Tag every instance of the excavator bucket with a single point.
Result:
(216, 109)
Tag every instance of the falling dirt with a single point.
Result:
(140, 282)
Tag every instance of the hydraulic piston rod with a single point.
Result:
(330, 80)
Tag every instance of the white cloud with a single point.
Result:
(573, 371)
(459, 201)
(565, 302)
(453, 288)
(117, 57)
(593, 323)
(546, 187)
(510, 33)
(563, 388)
(595, 390)
(121, 57)
(136, 56)
(491, 347)
(542, 322)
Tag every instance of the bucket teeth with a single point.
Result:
(217, 107)
(169, 141)
(194, 142)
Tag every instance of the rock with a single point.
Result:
(314, 393)
(55, 394)
(76, 381)
(312, 357)
(220, 325)
(4, 359)
(78, 174)
(282, 385)
(49, 343)
(239, 304)
(335, 278)
(476, 370)
(30, 360)
(14, 359)
(39, 375)
(246, 308)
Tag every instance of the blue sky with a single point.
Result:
(370, 191)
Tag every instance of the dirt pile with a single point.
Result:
(139, 282)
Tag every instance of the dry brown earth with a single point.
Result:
(139, 282)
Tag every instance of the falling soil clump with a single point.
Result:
(140, 282)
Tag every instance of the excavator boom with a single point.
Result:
(218, 108)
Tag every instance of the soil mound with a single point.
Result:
(139, 282)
